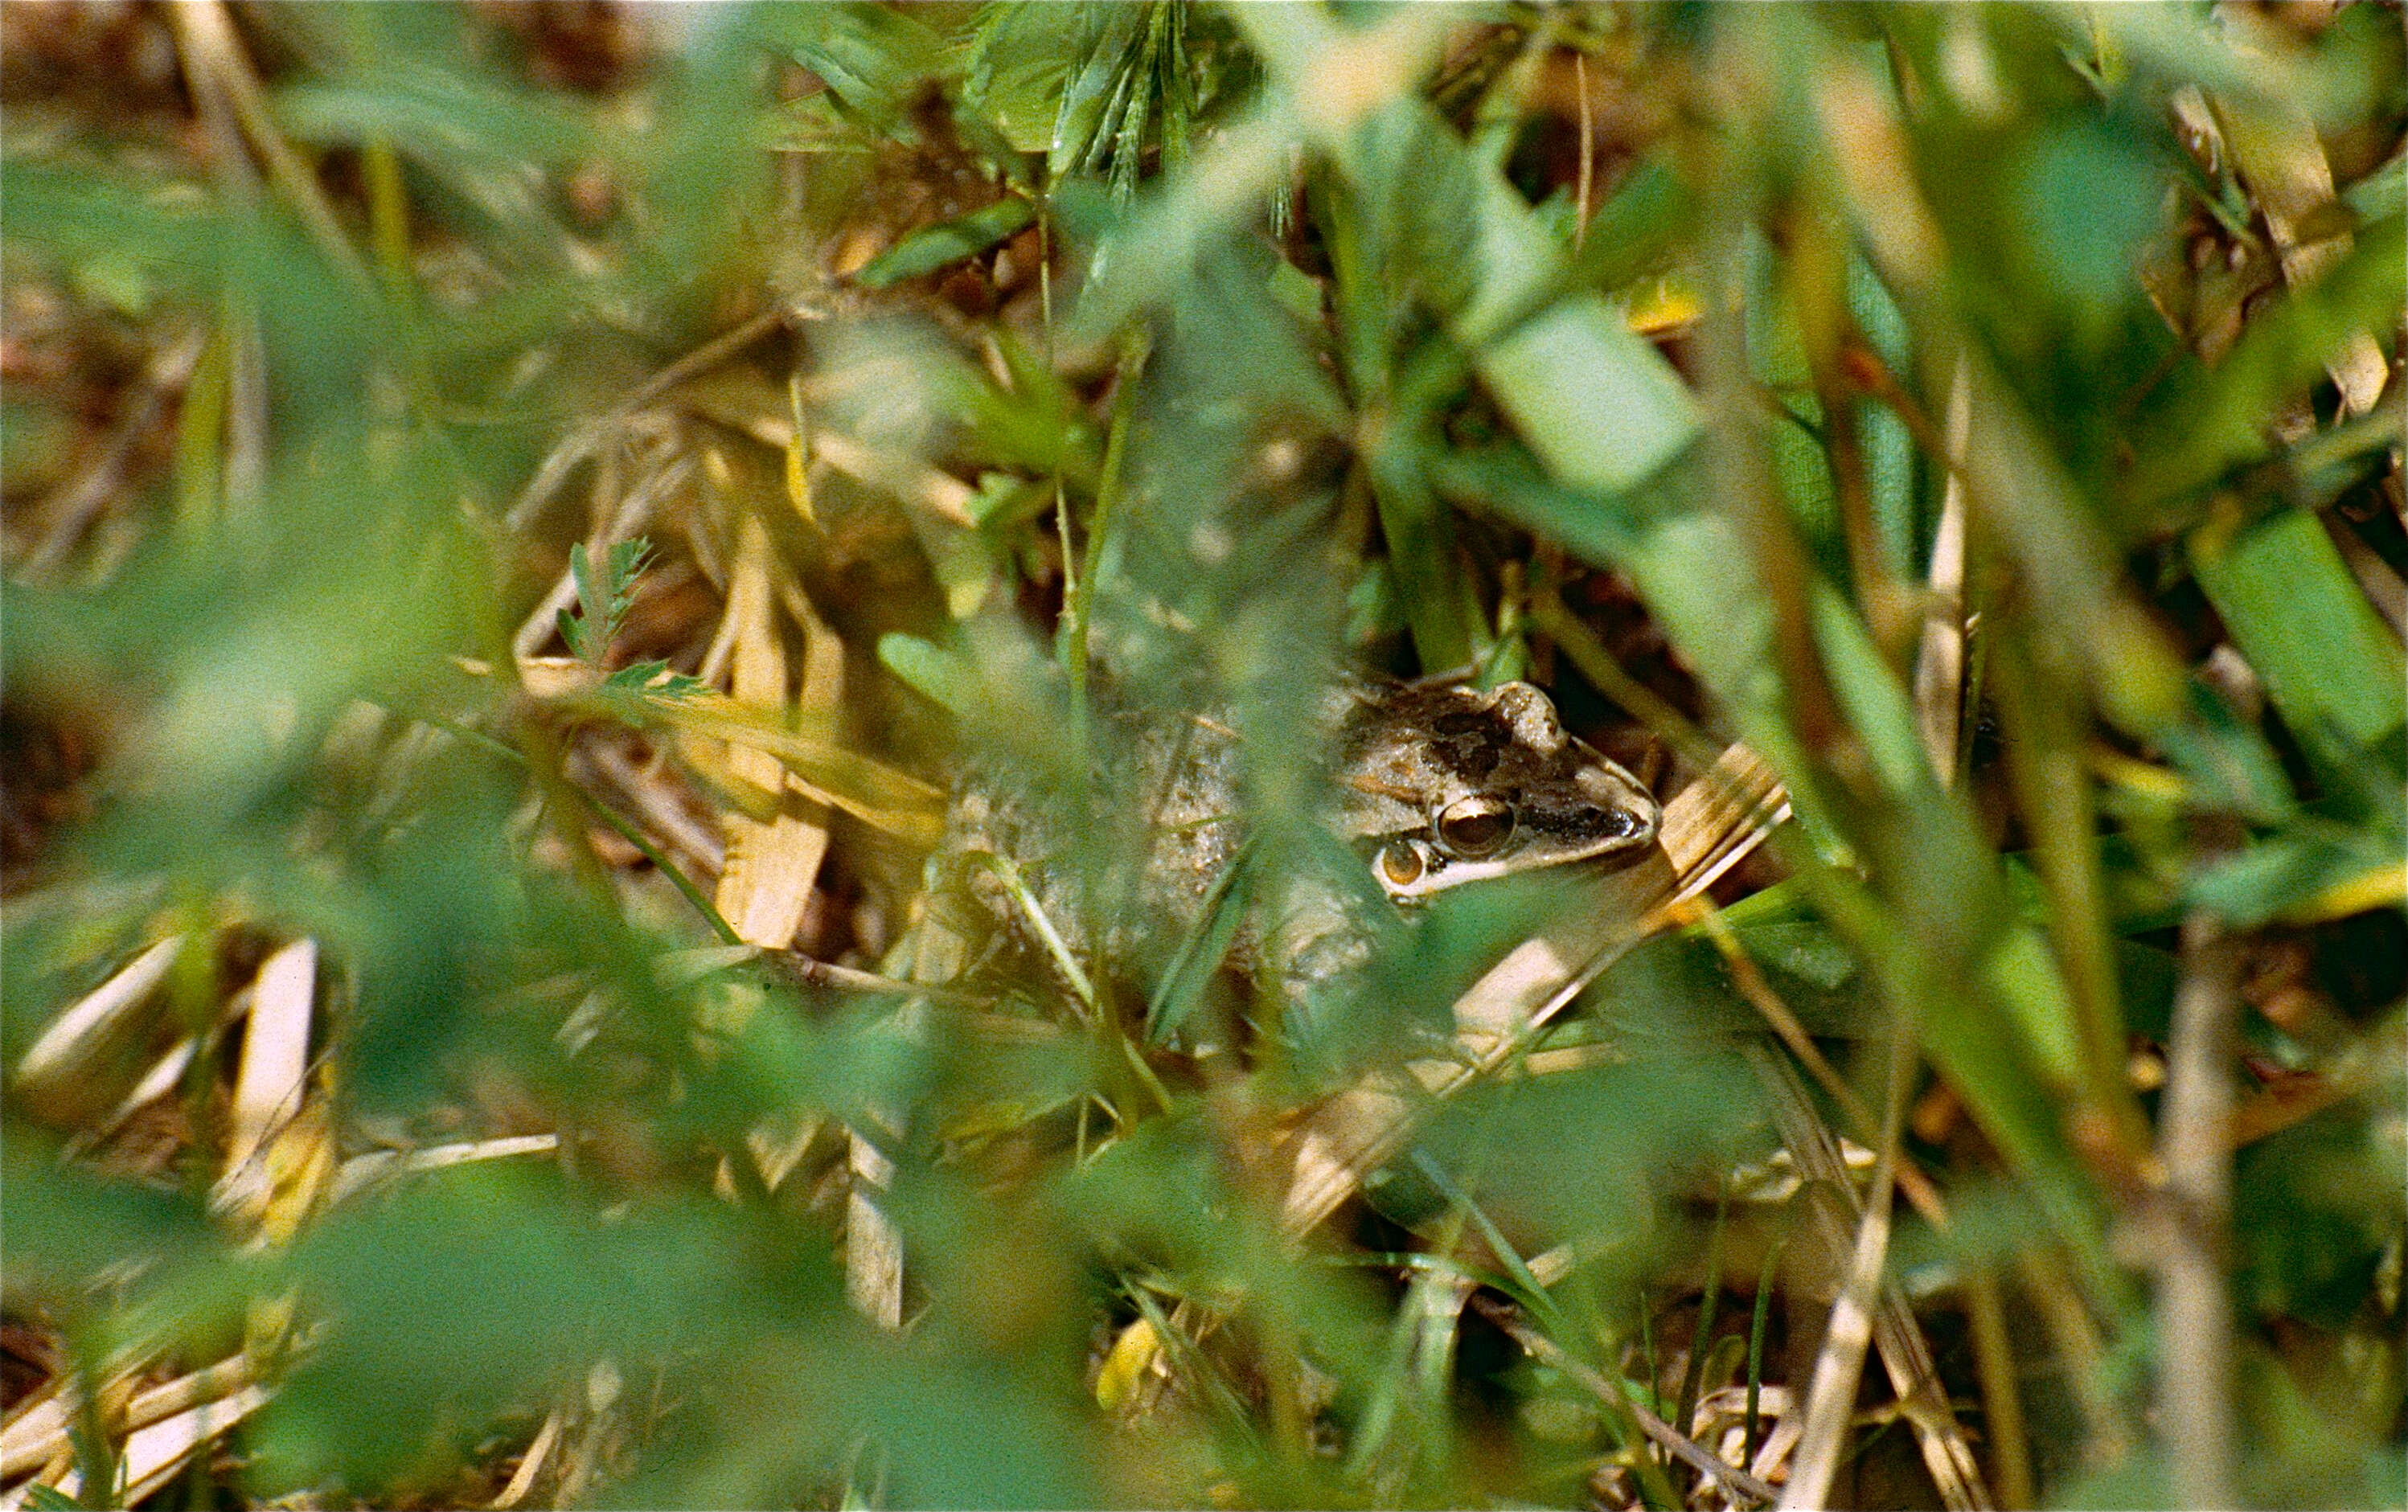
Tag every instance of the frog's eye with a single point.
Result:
(1474, 827)
(1400, 863)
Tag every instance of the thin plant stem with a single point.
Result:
(388, 215)
(1588, 150)
(206, 35)
(2195, 1145)
(1647, 1341)
(2045, 762)
(1079, 607)
(1016, 886)
(1693, 1377)
(1548, 614)
(1762, 1315)
(2002, 1407)
(626, 830)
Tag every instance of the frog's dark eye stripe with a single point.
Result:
(1476, 826)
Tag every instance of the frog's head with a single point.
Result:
(1446, 785)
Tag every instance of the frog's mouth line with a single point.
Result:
(1439, 873)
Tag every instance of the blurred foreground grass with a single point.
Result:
(1990, 417)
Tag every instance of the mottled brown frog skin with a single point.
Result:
(1435, 787)
(1443, 785)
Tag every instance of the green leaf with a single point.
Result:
(2086, 194)
(1889, 456)
(589, 602)
(2026, 980)
(1776, 356)
(1505, 479)
(1876, 706)
(118, 220)
(628, 560)
(655, 679)
(1595, 400)
(445, 118)
(1592, 397)
(1147, 261)
(2290, 872)
(872, 58)
(2381, 195)
(603, 604)
(2301, 620)
(1085, 120)
(1181, 991)
(934, 246)
(1003, 501)
(572, 633)
(949, 680)
(1019, 58)
(1636, 230)
(1422, 555)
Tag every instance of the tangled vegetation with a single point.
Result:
(519, 518)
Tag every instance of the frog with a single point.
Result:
(1429, 787)
(1446, 785)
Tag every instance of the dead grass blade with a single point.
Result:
(36, 1432)
(2385, 589)
(55, 1078)
(531, 1464)
(162, 1429)
(773, 863)
(815, 761)
(1831, 1398)
(1883, 1312)
(1940, 663)
(2279, 155)
(379, 1165)
(923, 487)
(267, 1087)
(873, 1246)
(214, 64)
(656, 803)
(279, 1159)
